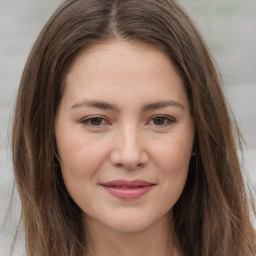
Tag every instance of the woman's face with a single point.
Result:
(124, 134)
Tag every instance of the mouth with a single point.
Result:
(127, 190)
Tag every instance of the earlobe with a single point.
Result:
(57, 158)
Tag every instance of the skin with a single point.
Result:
(127, 136)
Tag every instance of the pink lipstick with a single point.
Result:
(127, 190)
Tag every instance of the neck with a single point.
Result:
(158, 239)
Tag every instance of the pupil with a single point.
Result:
(96, 121)
(159, 120)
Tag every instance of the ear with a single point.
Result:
(194, 148)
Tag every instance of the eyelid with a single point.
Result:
(86, 120)
(170, 120)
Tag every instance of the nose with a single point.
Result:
(128, 151)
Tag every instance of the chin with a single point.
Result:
(129, 223)
(128, 227)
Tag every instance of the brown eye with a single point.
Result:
(159, 120)
(96, 121)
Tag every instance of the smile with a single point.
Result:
(127, 190)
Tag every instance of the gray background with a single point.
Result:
(228, 27)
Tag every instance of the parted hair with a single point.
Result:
(212, 216)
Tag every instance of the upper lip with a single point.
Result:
(126, 183)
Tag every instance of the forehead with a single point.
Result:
(118, 50)
(106, 68)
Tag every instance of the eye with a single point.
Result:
(161, 121)
(95, 121)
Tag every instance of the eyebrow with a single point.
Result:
(95, 104)
(147, 107)
(162, 104)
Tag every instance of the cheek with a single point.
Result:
(80, 155)
(173, 158)
(79, 166)
(79, 163)
(174, 155)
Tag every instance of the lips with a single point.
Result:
(127, 190)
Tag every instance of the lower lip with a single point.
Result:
(128, 193)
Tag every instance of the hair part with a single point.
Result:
(219, 221)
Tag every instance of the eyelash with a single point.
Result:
(88, 121)
(167, 120)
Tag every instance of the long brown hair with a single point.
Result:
(212, 216)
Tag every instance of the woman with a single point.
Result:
(122, 140)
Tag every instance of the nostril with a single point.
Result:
(128, 154)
